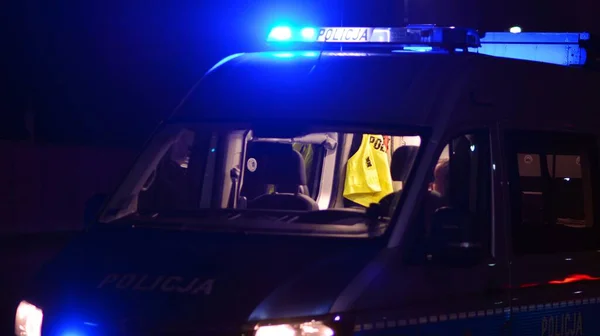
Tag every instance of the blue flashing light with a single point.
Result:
(308, 33)
(289, 34)
(280, 34)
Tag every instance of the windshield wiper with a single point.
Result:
(242, 223)
(329, 221)
(328, 216)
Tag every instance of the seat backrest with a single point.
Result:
(532, 187)
(459, 179)
(281, 166)
(568, 200)
(567, 187)
(402, 160)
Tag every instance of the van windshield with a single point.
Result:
(321, 180)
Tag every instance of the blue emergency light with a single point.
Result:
(412, 35)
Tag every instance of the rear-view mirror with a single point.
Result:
(92, 208)
(452, 241)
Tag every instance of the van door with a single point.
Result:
(446, 279)
(554, 195)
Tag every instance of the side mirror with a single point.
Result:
(452, 241)
(92, 208)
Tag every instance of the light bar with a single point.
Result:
(555, 48)
(428, 35)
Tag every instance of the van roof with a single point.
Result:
(405, 88)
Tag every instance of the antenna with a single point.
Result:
(341, 21)
(342, 12)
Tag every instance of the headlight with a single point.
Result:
(313, 328)
(28, 320)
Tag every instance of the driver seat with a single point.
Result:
(281, 166)
(402, 162)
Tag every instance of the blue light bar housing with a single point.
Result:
(450, 38)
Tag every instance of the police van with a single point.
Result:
(366, 181)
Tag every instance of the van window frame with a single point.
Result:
(551, 143)
(487, 236)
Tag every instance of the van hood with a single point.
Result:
(136, 280)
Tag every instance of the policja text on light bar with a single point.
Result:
(428, 35)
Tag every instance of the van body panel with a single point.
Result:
(343, 89)
(517, 87)
(174, 280)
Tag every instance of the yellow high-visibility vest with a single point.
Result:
(368, 177)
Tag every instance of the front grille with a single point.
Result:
(202, 331)
(198, 333)
(59, 326)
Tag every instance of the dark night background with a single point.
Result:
(104, 73)
(92, 78)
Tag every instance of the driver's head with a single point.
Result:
(441, 174)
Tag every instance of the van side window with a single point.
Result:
(552, 185)
(461, 181)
